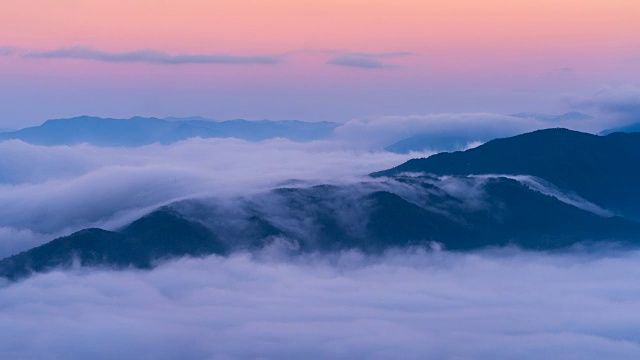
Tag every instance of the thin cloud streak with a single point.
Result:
(624, 101)
(151, 57)
(618, 106)
(358, 62)
(366, 60)
(8, 50)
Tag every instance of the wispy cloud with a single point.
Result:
(150, 57)
(8, 50)
(61, 189)
(346, 58)
(366, 60)
(147, 56)
(386, 130)
(622, 102)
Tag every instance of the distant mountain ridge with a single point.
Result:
(572, 115)
(139, 131)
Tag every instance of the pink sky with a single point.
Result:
(495, 55)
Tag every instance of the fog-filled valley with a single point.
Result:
(326, 248)
(54, 191)
(348, 179)
(500, 304)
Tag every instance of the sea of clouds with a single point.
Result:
(48, 192)
(412, 304)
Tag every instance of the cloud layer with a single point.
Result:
(622, 103)
(500, 305)
(366, 60)
(7, 50)
(385, 130)
(150, 56)
(50, 191)
(147, 56)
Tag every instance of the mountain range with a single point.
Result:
(546, 190)
(139, 131)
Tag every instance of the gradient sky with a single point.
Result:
(308, 59)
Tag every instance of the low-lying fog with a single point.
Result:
(414, 304)
(52, 191)
(492, 304)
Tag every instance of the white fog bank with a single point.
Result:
(404, 305)
(46, 192)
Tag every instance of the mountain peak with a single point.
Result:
(601, 169)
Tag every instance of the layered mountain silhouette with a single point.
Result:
(544, 190)
(139, 131)
(159, 235)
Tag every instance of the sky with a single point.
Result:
(310, 59)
